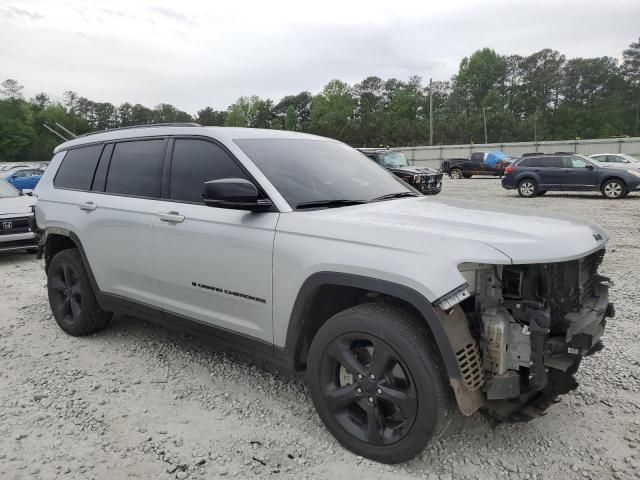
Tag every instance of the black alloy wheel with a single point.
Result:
(368, 388)
(378, 383)
(66, 298)
(71, 295)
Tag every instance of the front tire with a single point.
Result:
(456, 173)
(71, 296)
(527, 188)
(377, 383)
(614, 189)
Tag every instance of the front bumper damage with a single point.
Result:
(531, 326)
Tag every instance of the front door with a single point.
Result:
(214, 265)
(578, 174)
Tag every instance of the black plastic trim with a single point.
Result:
(297, 322)
(221, 336)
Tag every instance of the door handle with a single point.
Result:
(171, 217)
(88, 206)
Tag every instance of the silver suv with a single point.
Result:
(298, 248)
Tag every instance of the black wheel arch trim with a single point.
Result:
(74, 238)
(412, 297)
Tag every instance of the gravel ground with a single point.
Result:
(140, 401)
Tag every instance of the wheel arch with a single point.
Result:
(311, 310)
(614, 177)
(55, 239)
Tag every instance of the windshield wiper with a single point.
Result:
(391, 196)
(329, 203)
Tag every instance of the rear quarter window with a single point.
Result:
(529, 162)
(77, 168)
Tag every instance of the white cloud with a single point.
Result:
(198, 53)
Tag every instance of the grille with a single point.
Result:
(11, 226)
(470, 366)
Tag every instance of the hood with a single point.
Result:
(524, 236)
(412, 170)
(16, 205)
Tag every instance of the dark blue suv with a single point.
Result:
(535, 175)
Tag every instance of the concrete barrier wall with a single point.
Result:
(432, 156)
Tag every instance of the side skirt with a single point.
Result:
(201, 330)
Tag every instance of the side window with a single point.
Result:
(577, 162)
(77, 168)
(136, 168)
(551, 162)
(529, 162)
(196, 162)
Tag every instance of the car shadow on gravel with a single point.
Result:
(16, 258)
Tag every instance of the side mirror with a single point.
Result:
(234, 193)
(589, 167)
(27, 191)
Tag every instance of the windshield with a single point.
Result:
(394, 159)
(305, 170)
(6, 190)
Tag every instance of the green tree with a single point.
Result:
(631, 70)
(332, 111)
(210, 117)
(291, 120)
(11, 89)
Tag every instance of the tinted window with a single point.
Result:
(136, 168)
(529, 162)
(305, 170)
(196, 162)
(78, 166)
(551, 162)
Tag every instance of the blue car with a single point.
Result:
(24, 178)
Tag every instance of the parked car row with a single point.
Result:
(17, 231)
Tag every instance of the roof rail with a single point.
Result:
(146, 125)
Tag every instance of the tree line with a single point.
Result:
(542, 96)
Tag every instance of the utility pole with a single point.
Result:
(431, 111)
(484, 116)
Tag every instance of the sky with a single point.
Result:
(194, 54)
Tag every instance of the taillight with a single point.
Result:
(509, 169)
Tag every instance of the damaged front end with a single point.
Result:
(527, 329)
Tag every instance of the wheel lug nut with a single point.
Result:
(370, 399)
(379, 391)
(358, 390)
(360, 377)
(372, 376)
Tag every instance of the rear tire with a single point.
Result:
(71, 296)
(377, 382)
(614, 189)
(456, 173)
(527, 188)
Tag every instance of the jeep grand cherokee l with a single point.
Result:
(300, 249)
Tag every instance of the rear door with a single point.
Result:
(214, 264)
(549, 170)
(118, 213)
(578, 174)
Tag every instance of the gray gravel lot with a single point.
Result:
(140, 401)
